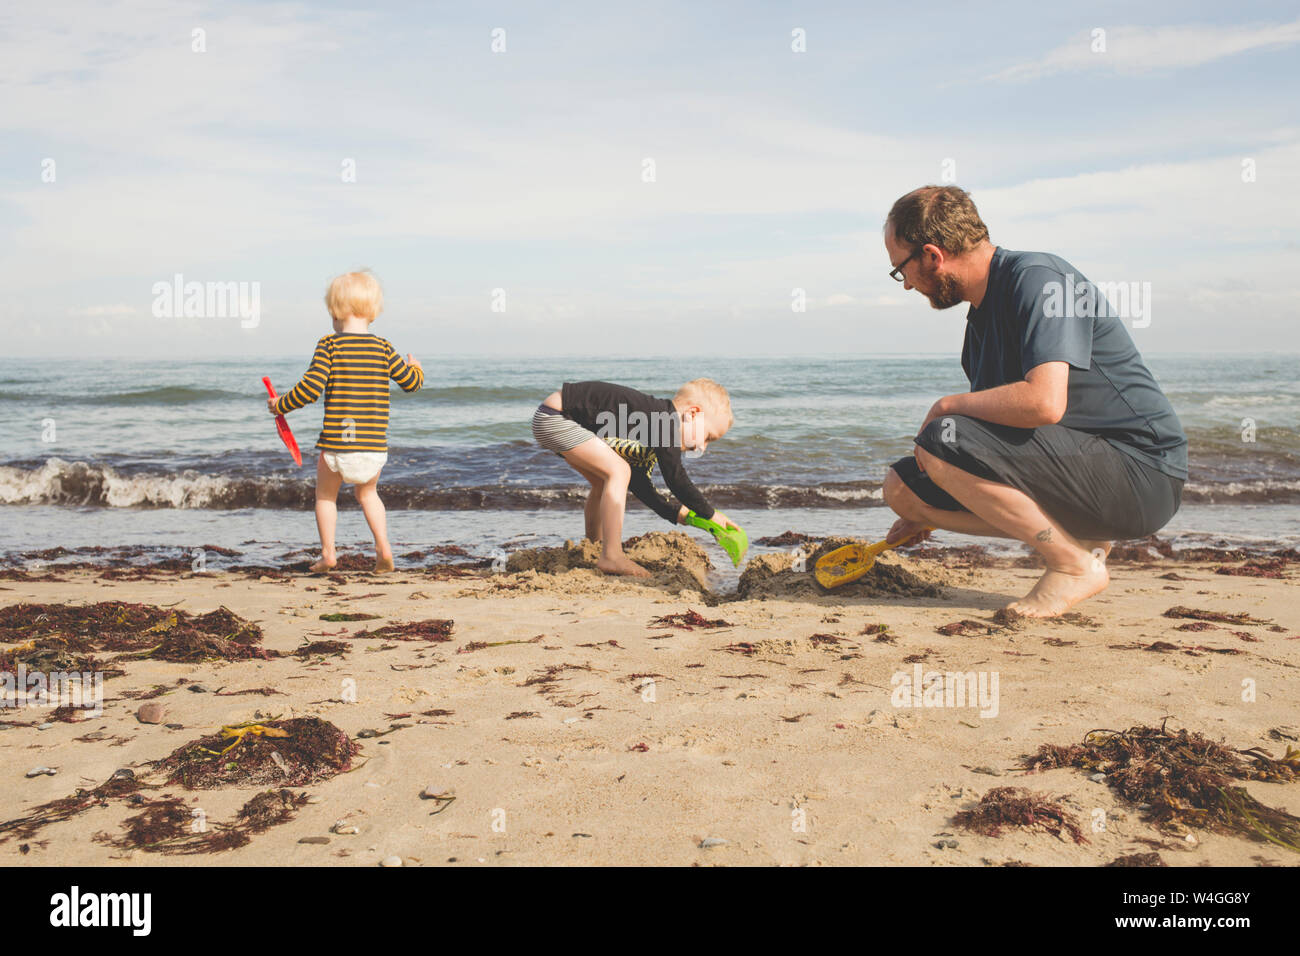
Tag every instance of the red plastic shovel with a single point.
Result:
(282, 427)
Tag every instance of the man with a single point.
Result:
(1065, 441)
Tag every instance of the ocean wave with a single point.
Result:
(82, 484)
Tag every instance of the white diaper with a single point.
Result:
(355, 467)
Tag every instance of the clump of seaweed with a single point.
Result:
(121, 785)
(1216, 616)
(966, 627)
(1138, 859)
(168, 826)
(1184, 779)
(322, 649)
(687, 620)
(291, 753)
(65, 636)
(433, 629)
(1018, 807)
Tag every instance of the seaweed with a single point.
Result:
(65, 636)
(322, 648)
(1138, 859)
(167, 826)
(965, 628)
(434, 629)
(353, 616)
(1018, 807)
(1216, 616)
(1183, 779)
(688, 621)
(292, 753)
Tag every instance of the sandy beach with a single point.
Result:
(570, 718)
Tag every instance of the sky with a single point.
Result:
(619, 179)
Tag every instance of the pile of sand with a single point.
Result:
(774, 576)
(673, 559)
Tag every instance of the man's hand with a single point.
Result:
(942, 407)
(414, 362)
(907, 532)
(270, 405)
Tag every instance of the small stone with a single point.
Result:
(434, 793)
(174, 726)
(708, 842)
(42, 772)
(946, 845)
(391, 861)
(572, 720)
(198, 689)
(1098, 778)
(150, 712)
(45, 726)
(123, 774)
(320, 840)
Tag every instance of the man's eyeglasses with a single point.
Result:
(896, 273)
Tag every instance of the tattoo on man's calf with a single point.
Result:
(1045, 535)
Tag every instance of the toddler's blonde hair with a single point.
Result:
(707, 394)
(355, 293)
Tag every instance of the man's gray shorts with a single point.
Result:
(1086, 484)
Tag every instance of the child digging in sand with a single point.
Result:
(351, 368)
(614, 436)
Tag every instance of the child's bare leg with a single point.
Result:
(373, 508)
(595, 456)
(327, 513)
(591, 511)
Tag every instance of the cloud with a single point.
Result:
(1134, 50)
(92, 311)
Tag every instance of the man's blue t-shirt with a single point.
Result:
(1032, 312)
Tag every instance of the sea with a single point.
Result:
(160, 458)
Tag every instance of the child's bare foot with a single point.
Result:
(383, 565)
(1058, 591)
(622, 565)
(324, 564)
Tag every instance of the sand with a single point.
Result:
(557, 723)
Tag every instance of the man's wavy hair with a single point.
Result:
(943, 216)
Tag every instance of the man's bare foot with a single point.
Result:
(622, 565)
(1058, 591)
(324, 564)
(383, 565)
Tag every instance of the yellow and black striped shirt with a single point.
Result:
(352, 370)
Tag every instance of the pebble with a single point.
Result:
(198, 689)
(123, 774)
(41, 771)
(343, 828)
(1098, 778)
(45, 726)
(946, 845)
(150, 712)
(391, 861)
(436, 793)
(318, 840)
(572, 720)
(708, 842)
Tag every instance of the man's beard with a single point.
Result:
(947, 294)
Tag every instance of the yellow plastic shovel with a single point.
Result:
(851, 562)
